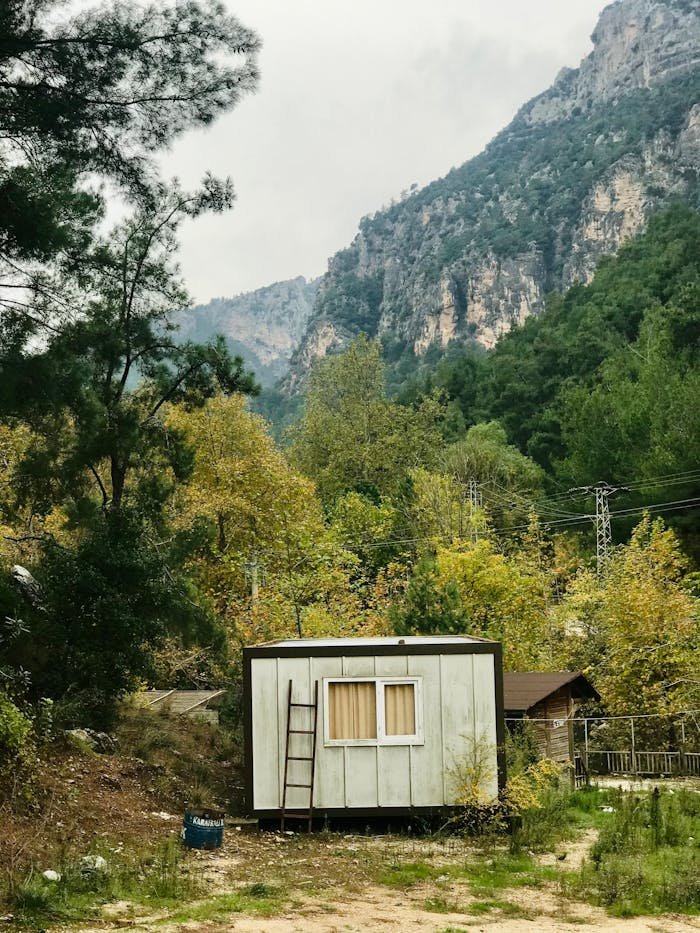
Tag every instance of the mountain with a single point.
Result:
(264, 326)
(576, 173)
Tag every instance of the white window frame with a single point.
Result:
(382, 738)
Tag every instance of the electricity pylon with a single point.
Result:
(472, 494)
(603, 492)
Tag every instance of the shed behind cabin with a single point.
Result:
(550, 700)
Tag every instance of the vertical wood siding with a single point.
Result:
(554, 741)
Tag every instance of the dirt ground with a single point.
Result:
(329, 883)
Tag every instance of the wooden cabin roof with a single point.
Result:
(524, 690)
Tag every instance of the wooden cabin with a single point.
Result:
(368, 726)
(550, 701)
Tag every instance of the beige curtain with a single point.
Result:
(400, 709)
(352, 710)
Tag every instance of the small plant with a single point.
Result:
(474, 776)
(17, 749)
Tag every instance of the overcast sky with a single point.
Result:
(358, 100)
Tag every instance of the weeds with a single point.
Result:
(646, 858)
(154, 878)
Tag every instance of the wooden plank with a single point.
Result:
(296, 670)
(457, 709)
(393, 761)
(329, 789)
(485, 717)
(426, 760)
(360, 761)
(266, 765)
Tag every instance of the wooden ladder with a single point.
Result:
(311, 759)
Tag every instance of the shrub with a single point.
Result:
(16, 743)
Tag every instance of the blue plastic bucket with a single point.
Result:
(203, 828)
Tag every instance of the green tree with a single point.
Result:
(108, 374)
(105, 604)
(508, 480)
(638, 629)
(476, 589)
(351, 437)
(91, 96)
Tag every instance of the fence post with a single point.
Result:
(683, 768)
(634, 754)
(585, 742)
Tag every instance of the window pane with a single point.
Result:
(400, 709)
(352, 710)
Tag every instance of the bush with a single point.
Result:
(17, 748)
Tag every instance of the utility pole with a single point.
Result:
(603, 492)
(252, 568)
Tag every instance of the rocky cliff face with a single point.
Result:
(637, 43)
(264, 326)
(575, 174)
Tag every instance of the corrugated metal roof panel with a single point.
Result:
(178, 701)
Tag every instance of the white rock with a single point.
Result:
(51, 875)
(92, 863)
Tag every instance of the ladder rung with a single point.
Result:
(297, 816)
(299, 758)
(302, 731)
(307, 705)
(297, 785)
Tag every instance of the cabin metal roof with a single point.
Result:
(383, 641)
(178, 701)
(524, 690)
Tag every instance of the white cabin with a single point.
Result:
(395, 719)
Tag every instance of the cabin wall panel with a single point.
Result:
(265, 733)
(427, 788)
(485, 738)
(457, 709)
(329, 781)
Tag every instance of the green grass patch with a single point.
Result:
(506, 871)
(261, 899)
(505, 907)
(440, 905)
(404, 876)
(646, 859)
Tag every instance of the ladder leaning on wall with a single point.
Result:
(308, 814)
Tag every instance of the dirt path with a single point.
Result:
(387, 911)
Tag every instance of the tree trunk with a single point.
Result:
(118, 473)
